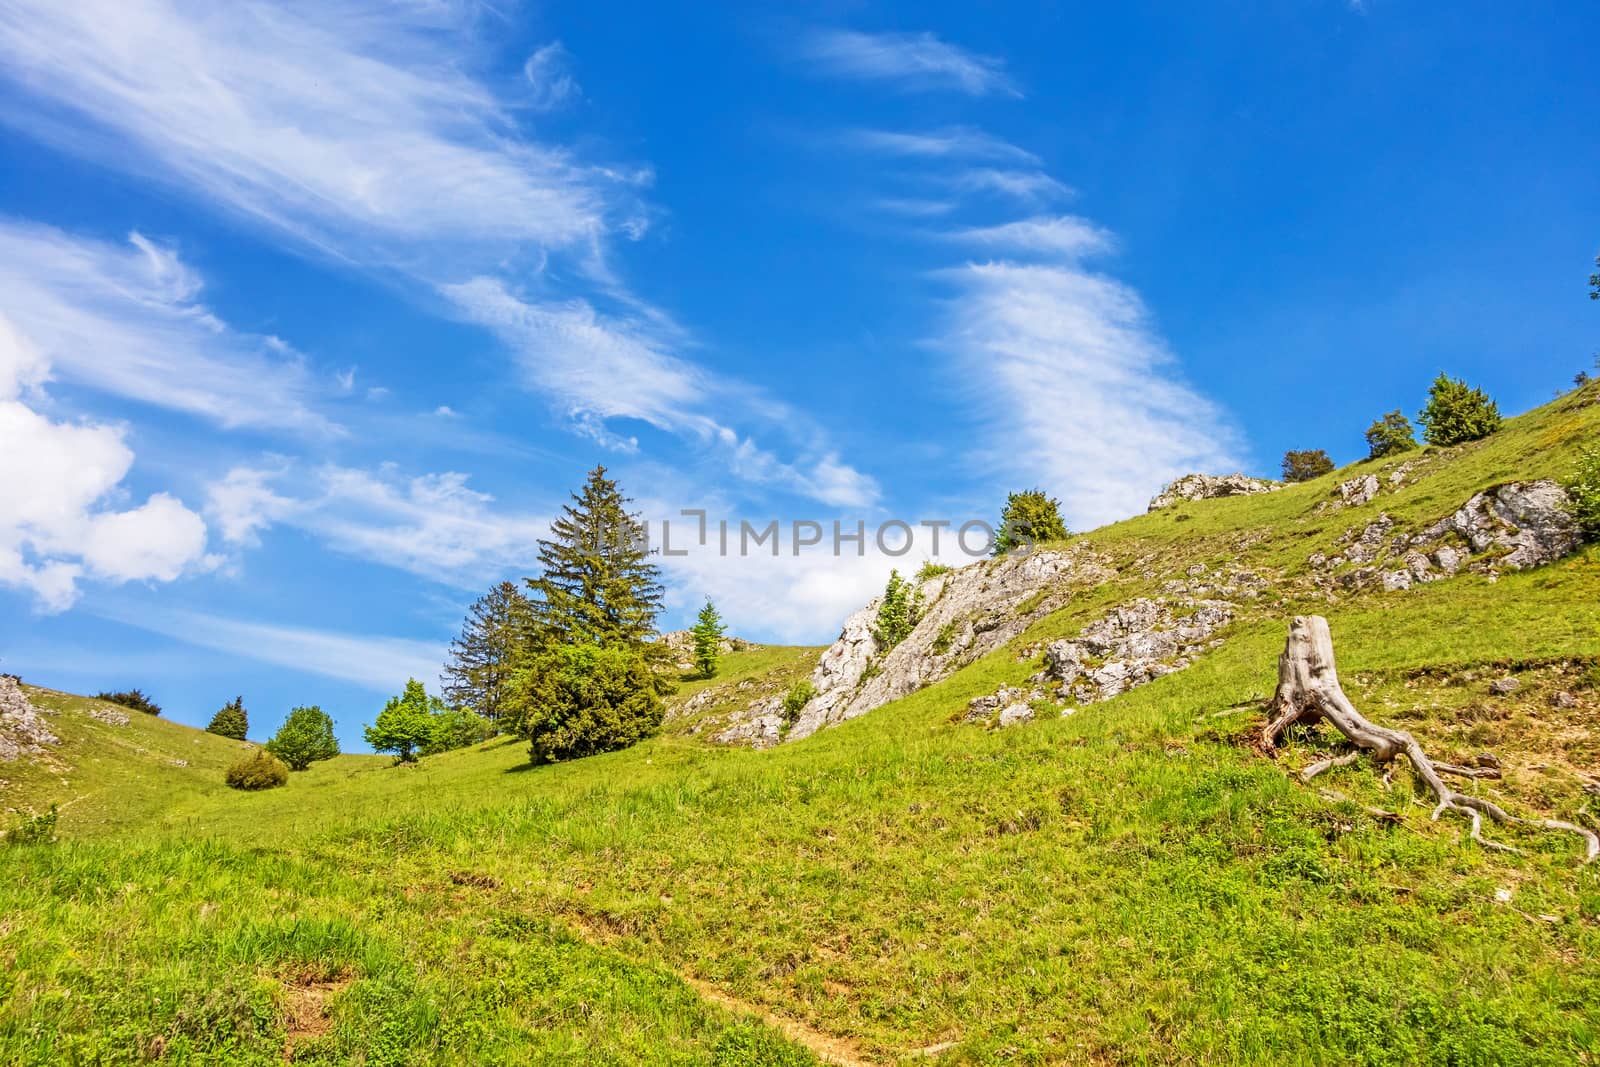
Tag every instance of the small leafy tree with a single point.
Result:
(708, 630)
(930, 570)
(1029, 517)
(456, 728)
(1583, 487)
(406, 723)
(36, 829)
(578, 700)
(897, 615)
(305, 737)
(131, 698)
(1390, 435)
(1305, 464)
(231, 721)
(259, 770)
(1456, 413)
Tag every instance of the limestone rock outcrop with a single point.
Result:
(965, 613)
(23, 730)
(1209, 487)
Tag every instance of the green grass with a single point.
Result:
(1131, 883)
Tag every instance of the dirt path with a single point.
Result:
(838, 1051)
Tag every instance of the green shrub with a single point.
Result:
(578, 700)
(930, 570)
(1305, 464)
(897, 615)
(943, 639)
(305, 737)
(795, 701)
(1029, 517)
(1583, 486)
(231, 721)
(37, 829)
(259, 770)
(131, 698)
(1390, 435)
(1457, 413)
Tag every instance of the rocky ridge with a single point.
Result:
(965, 613)
(1210, 487)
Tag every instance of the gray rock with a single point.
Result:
(1505, 686)
(23, 731)
(1393, 581)
(1358, 491)
(1448, 559)
(1012, 714)
(1563, 699)
(108, 716)
(1131, 645)
(1527, 521)
(1209, 487)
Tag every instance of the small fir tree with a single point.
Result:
(231, 721)
(1029, 517)
(305, 737)
(493, 637)
(1305, 464)
(1457, 413)
(405, 725)
(1390, 435)
(708, 631)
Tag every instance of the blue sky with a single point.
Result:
(311, 314)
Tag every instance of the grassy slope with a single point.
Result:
(1127, 884)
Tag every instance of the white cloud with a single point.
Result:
(59, 522)
(1060, 236)
(1028, 186)
(955, 142)
(548, 71)
(349, 124)
(381, 664)
(600, 368)
(915, 207)
(908, 60)
(122, 319)
(431, 525)
(1080, 393)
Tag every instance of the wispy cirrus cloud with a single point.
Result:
(912, 61)
(373, 661)
(125, 319)
(952, 142)
(1081, 393)
(599, 368)
(434, 525)
(351, 128)
(1068, 236)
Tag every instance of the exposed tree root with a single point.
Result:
(1309, 692)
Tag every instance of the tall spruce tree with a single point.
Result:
(493, 638)
(708, 630)
(598, 586)
(590, 682)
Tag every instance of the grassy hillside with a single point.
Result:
(1132, 883)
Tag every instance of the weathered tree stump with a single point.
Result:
(1309, 693)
